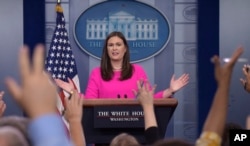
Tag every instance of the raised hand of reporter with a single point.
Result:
(74, 107)
(145, 93)
(73, 114)
(2, 104)
(246, 81)
(36, 94)
(223, 72)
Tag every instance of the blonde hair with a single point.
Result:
(124, 139)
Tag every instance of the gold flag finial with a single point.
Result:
(59, 8)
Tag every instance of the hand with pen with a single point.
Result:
(73, 114)
(145, 93)
(67, 86)
(74, 105)
(146, 99)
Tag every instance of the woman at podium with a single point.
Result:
(116, 77)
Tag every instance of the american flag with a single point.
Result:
(60, 61)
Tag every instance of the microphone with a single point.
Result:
(118, 96)
(125, 96)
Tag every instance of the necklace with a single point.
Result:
(117, 68)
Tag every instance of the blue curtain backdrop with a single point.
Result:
(34, 22)
(208, 45)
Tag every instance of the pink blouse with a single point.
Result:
(98, 88)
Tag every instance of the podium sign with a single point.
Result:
(103, 119)
(118, 117)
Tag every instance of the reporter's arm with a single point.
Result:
(215, 122)
(73, 115)
(48, 130)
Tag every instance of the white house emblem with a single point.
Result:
(146, 28)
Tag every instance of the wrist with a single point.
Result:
(172, 91)
(168, 92)
(75, 120)
(148, 106)
(38, 113)
(148, 109)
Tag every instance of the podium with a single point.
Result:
(103, 119)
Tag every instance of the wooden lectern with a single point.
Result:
(103, 119)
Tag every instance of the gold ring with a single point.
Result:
(71, 91)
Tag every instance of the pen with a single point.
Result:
(70, 93)
(142, 83)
